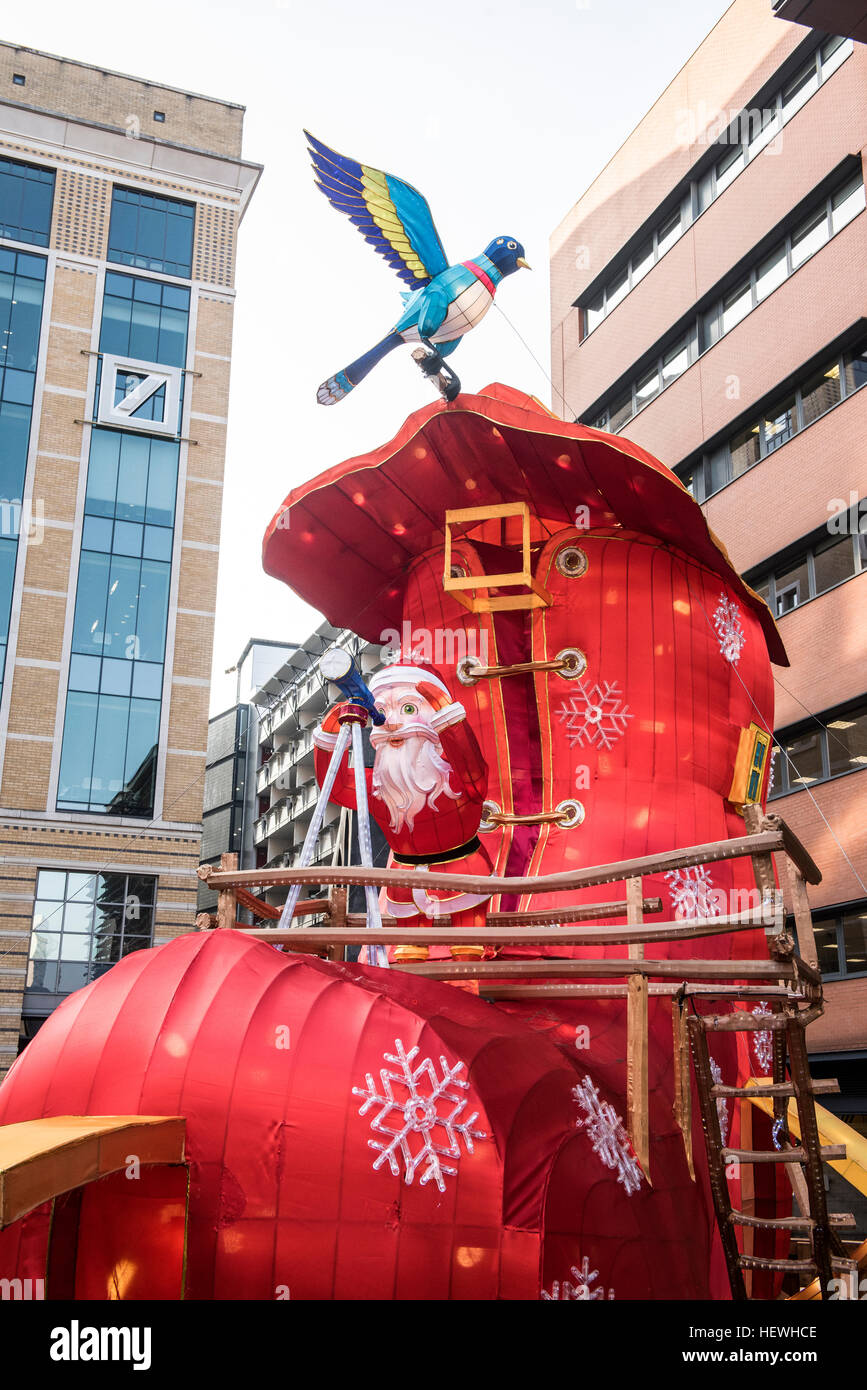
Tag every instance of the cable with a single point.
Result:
(539, 364)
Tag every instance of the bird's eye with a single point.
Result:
(513, 246)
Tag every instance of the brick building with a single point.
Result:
(709, 302)
(119, 206)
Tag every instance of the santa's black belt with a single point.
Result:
(443, 857)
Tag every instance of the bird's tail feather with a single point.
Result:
(340, 385)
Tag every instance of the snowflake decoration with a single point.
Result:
(607, 1135)
(692, 892)
(778, 1131)
(580, 1290)
(730, 632)
(763, 1042)
(418, 1114)
(722, 1105)
(595, 713)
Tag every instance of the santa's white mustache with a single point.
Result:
(413, 730)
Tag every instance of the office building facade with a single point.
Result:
(119, 207)
(709, 303)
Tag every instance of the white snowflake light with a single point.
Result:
(692, 892)
(730, 632)
(763, 1042)
(607, 1135)
(594, 714)
(580, 1290)
(722, 1105)
(409, 1121)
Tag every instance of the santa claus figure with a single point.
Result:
(426, 792)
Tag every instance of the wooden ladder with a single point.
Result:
(804, 1160)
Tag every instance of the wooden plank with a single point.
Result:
(314, 938)
(782, 1155)
(602, 969)
(764, 843)
(682, 1087)
(227, 900)
(795, 851)
(717, 1158)
(637, 1093)
(635, 916)
(803, 915)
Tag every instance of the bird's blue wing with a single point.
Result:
(390, 214)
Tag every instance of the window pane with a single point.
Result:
(705, 190)
(729, 167)
(820, 393)
(763, 589)
(855, 941)
(619, 413)
(675, 361)
(807, 238)
(779, 424)
(642, 260)
(736, 305)
(826, 947)
(833, 561)
(799, 89)
(805, 753)
(668, 232)
(771, 273)
(745, 450)
(50, 884)
(847, 203)
(617, 290)
(763, 126)
(646, 388)
(594, 314)
(834, 52)
(855, 369)
(793, 588)
(847, 742)
(719, 468)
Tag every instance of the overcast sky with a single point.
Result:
(500, 113)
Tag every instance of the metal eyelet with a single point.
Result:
(572, 561)
(465, 668)
(576, 663)
(489, 808)
(458, 572)
(572, 812)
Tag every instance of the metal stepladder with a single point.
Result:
(784, 1017)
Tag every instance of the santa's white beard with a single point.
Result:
(409, 776)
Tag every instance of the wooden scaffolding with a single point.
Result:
(786, 988)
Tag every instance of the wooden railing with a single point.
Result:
(784, 976)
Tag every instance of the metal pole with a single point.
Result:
(313, 829)
(365, 843)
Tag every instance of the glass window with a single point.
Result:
(855, 941)
(771, 273)
(745, 450)
(144, 319)
(779, 424)
(793, 588)
(26, 197)
(855, 369)
(763, 126)
(617, 290)
(668, 233)
(675, 361)
(805, 753)
(642, 260)
(705, 190)
(729, 167)
(646, 387)
(825, 934)
(847, 742)
(799, 89)
(736, 305)
(807, 238)
(620, 412)
(594, 313)
(820, 393)
(833, 561)
(833, 53)
(71, 943)
(719, 468)
(847, 202)
(150, 231)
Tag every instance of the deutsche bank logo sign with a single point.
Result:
(139, 395)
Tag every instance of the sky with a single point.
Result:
(501, 114)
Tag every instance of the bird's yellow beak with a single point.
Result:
(526, 264)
